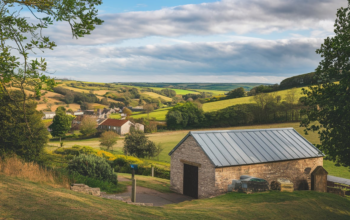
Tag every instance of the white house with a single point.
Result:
(49, 115)
(121, 127)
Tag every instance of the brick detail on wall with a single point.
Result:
(294, 170)
(191, 152)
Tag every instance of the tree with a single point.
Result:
(109, 139)
(104, 101)
(148, 108)
(21, 36)
(86, 106)
(61, 124)
(236, 93)
(15, 138)
(136, 143)
(185, 115)
(328, 102)
(291, 96)
(127, 111)
(88, 126)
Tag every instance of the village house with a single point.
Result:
(49, 115)
(121, 127)
(204, 163)
(104, 113)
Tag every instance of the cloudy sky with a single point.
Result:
(196, 41)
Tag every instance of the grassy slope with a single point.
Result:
(215, 106)
(155, 95)
(161, 185)
(26, 200)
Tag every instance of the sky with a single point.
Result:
(231, 41)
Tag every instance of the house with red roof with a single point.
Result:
(122, 127)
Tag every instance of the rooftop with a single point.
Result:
(114, 122)
(240, 147)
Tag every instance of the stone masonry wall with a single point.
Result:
(189, 151)
(86, 189)
(297, 171)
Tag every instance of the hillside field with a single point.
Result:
(22, 199)
(218, 105)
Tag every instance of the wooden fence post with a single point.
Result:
(133, 191)
(152, 171)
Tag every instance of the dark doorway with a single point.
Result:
(191, 181)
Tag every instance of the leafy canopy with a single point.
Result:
(329, 103)
(136, 143)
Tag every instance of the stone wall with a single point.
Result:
(189, 152)
(297, 171)
(86, 189)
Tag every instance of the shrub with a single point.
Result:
(76, 150)
(92, 166)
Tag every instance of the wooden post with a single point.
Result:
(133, 191)
(152, 171)
(133, 174)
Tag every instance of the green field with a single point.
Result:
(21, 199)
(215, 92)
(215, 106)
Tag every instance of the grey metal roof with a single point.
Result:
(240, 147)
(338, 180)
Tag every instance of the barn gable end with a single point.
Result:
(189, 152)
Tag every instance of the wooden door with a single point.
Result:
(190, 183)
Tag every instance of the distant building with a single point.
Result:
(136, 108)
(49, 115)
(76, 113)
(104, 113)
(122, 127)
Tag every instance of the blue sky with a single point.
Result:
(196, 41)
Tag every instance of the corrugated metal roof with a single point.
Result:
(338, 180)
(240, 147)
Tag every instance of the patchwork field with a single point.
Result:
(155, 95)
(22, 199)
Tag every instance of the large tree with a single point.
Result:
(15, 138)
(22, 35)
(329, 102)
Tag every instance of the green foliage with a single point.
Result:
(236, 93)
(25, 137)
(76, 150)
(185, 115)
(328, 102)
(136, 143)
(108, 139)
(167, 92)
(297, 81)
(88, 126)
(92, 166)
(61, 124)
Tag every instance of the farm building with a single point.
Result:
(204, 163)
(49, 115)
(122, 127)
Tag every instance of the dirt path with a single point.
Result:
(145, 195)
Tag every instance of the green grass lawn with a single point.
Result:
(335, 170)
(22, 199)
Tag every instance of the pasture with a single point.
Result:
(155, 95)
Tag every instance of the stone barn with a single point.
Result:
(204, 163)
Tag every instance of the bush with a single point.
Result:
(76, 150)
(92, 166)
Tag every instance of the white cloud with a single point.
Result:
(263, 60)
(226, 16)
